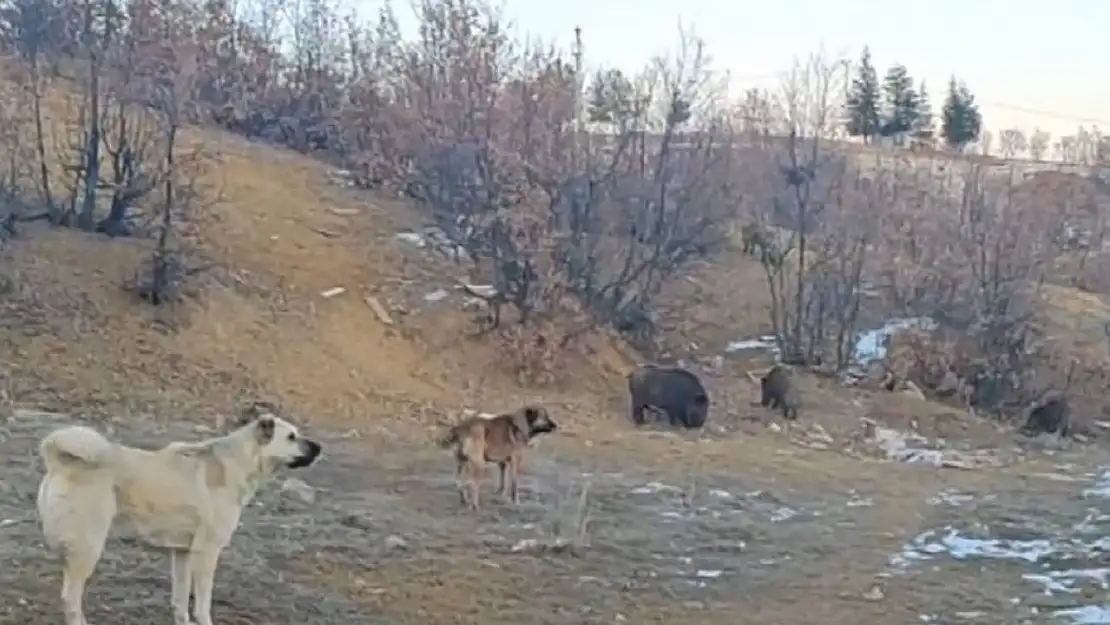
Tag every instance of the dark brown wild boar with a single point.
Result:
(777, 391)
(675, 391)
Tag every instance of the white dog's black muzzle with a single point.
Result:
(310, 451)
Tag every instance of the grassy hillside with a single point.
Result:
(281, 234)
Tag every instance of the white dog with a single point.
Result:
(186, 498)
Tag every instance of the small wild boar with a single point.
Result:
(1050, 414)
(777, 391)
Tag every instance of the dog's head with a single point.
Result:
(539, 422)
(279, 442)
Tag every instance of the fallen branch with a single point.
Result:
(378, 309)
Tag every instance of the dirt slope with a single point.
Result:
(282, 235)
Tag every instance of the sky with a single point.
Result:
(1029, 64)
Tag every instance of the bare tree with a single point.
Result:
(1011, 143)
(17, 153)
(1038, 144)
(812, 181)
(172, 70)
(1067, 149)
(30, 32)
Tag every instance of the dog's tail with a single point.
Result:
(75, 444)
(448, 437)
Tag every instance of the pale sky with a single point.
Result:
(1041, 56)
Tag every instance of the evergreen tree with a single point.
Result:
(961, 121)
(924, 124)
(610, 98)
(972, 114)
(900, 111)
(862, 107)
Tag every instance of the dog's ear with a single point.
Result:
(252, 411)
(264, 429)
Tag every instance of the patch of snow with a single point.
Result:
(762, 343)
(435, 295)
(412, 238)
(783, 513)
(915, 449)
(1101, 487)
(949, 498)
(1064, 581)
(871, 345)
(655, 487)
(1041, 556)
(1086, 615)
(708, 573)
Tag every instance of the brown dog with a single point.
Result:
(501, 439)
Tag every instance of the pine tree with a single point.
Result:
(952, 116)
(961, 121)
(900, 112)
(924, 125)
(862, 107)
(610, 98)
(972, 116)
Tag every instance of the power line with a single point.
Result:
(1052, 114)
(753, 78)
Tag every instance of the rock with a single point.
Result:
(378, 310)
(525, 544)
(394, 542)
(910, 389)
(868, 428)
(875, 593)
(531, 545)
(694, 605)
(820, 434)
(299, 490)
(357, 522)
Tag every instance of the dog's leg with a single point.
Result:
(514, 477)
(202, 565)
(80, 561)
(501, 481)
(460, 480)
(79, 567)
(181, 585)
(473, 471)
